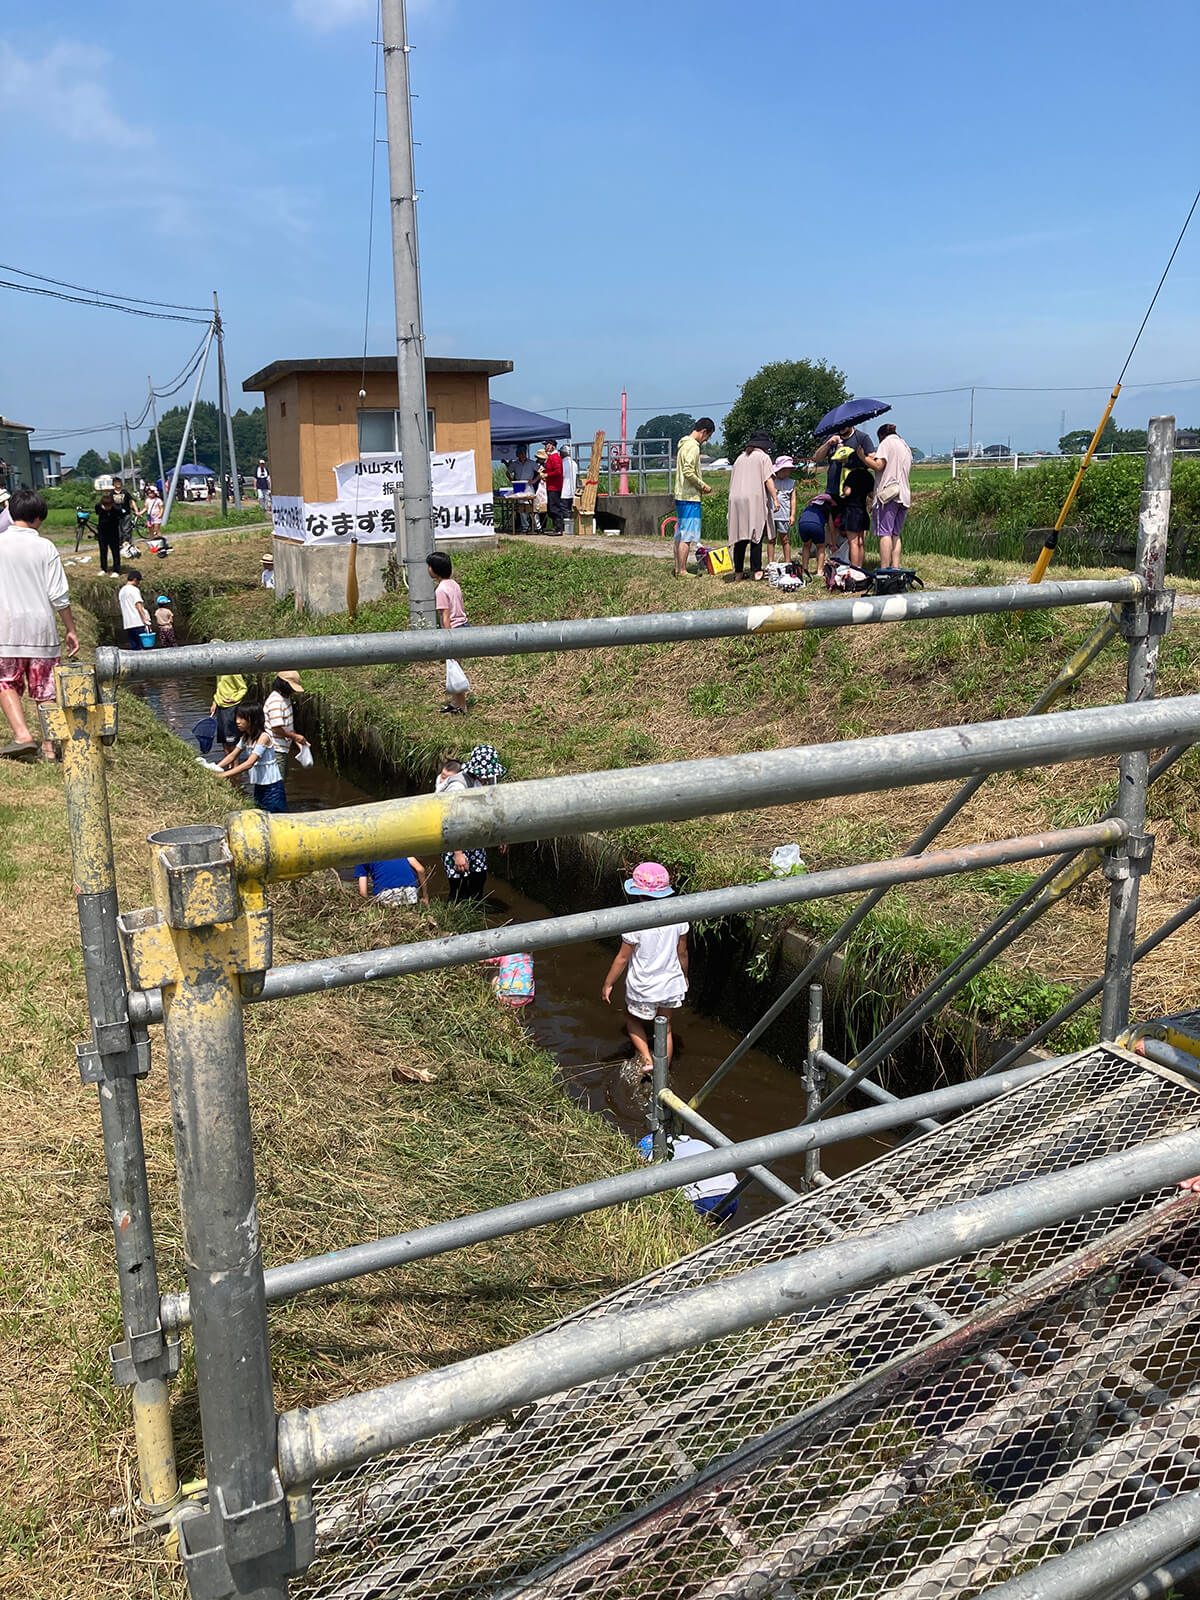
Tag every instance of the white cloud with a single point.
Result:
(65, 93)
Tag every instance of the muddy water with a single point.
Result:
(568, 1017)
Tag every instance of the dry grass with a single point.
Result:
(374, 1111)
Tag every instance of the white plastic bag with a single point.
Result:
(457, 681)
(304, 755)
(786, 861)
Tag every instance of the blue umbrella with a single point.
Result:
(850, 413)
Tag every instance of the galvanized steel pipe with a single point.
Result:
(315, 1441)
(598, 633)
(269, 848)
(339, 972)
(339, 1266)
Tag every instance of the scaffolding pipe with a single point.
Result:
(872, 1091)
(1126, 864)
(1165, 1577)
(655, 1120)
(341, 1433)
(995, 928)
(339, 972)
(596, 633)
(1070, 674)
(813, 1081)
(1122, 1554)
(268, 848)
(1091, 990)
(722, 1141)
(356, 1261)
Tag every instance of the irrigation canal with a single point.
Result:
(568, 1018)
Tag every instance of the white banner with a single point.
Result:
(341, 522)
(373, 479)
(287, 513)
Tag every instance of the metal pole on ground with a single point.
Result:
(226, 406)
(162, 476)
(655, 1119)
(114, 1057)
(814, 1077)
(173, 486)
(200, 942)
(1144, 621)
(410, 334)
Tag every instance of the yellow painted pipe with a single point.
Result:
(1046, 554)
(155, 1445)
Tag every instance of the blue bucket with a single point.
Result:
(148, 638)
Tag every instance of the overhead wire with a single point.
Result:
(108, 294)
(104, 305)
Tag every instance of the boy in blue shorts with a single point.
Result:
(813, 527)
(690, 487)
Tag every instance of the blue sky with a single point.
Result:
(647, 195)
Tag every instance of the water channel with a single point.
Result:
(568, 1018)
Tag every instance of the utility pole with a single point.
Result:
(225, 406)
(410, 333)
(971, 432)
(162, 477)
(187, 428)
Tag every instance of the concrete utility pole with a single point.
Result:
(225, 408)
(410, 333)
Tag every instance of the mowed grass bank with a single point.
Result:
(589, 710)
(375, 1110)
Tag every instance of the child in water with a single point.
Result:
(655, 964)
(256, 749)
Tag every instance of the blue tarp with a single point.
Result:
(194, 470)
(511, 425)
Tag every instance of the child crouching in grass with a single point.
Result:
(448, 598)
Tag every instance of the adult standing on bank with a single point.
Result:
(109, 517)
(33, 586)
(262, 484)
(752, 504)
(690, 489)
(552, 473)
(849, 437)
(570, 472)
(892, 465)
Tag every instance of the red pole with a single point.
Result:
(623, 486)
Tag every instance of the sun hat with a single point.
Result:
(651, 879)
(781, 462)
(484, 763)
(293, 678)
(163, 600)
(268, 561)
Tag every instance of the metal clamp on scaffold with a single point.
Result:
(98, 1066)
(1149, 616)
(1129, 859)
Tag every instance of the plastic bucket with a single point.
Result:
(148, 638)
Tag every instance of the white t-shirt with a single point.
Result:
(897, 459)
(654, 975)
(33, 586)
(130, 597)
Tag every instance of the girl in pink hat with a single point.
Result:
(655, 964)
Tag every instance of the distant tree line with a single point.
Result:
(249, 439)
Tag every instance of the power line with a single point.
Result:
(104, 305)
(108, 294)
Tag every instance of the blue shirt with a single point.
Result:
(387, 875)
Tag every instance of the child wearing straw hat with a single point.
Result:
(655, 964)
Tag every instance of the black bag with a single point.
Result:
(896, 580)
(842, 578)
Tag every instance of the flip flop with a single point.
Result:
(20, 750)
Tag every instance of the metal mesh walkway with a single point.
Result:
(931, 1435)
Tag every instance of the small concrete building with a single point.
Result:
(315, 419)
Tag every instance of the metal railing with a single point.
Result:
(202, 952)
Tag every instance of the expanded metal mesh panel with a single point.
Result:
(848, 1455)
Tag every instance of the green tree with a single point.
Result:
(917, 455)
(249, 438)
(1113, 438)
(668, 425)
(90, 464)
(785, 399)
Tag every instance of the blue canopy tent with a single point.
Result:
(512, 426)
(193, 469)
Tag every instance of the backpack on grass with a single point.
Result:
(896, 580)
(842, 578)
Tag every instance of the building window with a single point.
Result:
(379, 432)
(283, 408)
